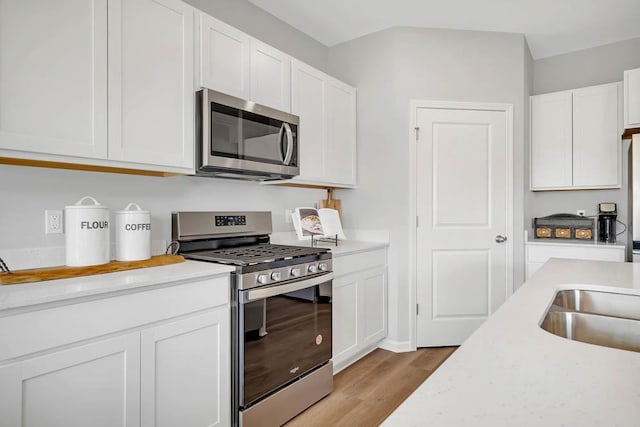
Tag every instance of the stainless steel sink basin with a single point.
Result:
(601, 318)
(596, 302)
(606, 331)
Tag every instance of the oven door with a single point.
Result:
(246, 137)
(285, 332)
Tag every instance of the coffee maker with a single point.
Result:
(607, 217)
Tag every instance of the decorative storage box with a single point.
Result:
(563, 226)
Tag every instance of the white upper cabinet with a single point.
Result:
(270, 76)
(632, 99)
(308, 93)
(151, 82)
(235, 63)
(53, 77)
(327, 132)
(341, 133)
(99, 83)
(551, 140)
(225, 55)
(596, 136)
(575, 139)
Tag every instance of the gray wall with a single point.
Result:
(26, 192)
(262, 25)
(599, 65)
(390, 68)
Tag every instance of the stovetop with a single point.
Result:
(254, 254)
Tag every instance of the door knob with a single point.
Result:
(501, 239)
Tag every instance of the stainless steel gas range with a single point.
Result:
(280, 313)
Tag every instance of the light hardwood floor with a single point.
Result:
(367, 392)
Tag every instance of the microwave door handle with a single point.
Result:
(281, 134)
(257, 294)
(289, 155)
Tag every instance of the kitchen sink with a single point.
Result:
(601, 318)
(596, 302)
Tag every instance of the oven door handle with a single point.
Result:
(257, 294)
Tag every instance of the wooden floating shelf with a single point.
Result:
(629, 132)
(63, 272)
(82, 167)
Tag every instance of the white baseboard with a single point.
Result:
(396, 346)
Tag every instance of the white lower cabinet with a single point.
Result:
(157, 357)
(359, 305)
(94, 384)
(188, 355)
(539, 252)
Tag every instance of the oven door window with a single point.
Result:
(285, 336)
(243, 135)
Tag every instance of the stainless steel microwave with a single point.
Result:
(244, 140)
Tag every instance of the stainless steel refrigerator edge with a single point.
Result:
(633, 243)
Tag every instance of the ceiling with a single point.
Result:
(551, 27)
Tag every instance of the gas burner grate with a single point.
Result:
(249, 255)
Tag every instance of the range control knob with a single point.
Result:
(263, 278)
(323, 266)
(313, 268)
(276, 275)
(295, 272)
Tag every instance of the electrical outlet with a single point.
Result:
(287, 216)
(582, 212)
(53, 222)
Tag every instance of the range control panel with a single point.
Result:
(230, 220)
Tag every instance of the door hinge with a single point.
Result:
(417, 309)
(417, 129)
(417, 221)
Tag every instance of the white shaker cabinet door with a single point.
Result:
(551, 141)
(185, 372)
(225, 58)
(346, 317)
(308, 92)
(270, 76)
(632, 99)
(373, 288)
(596, 136)
(96, 384)
(151, 98)
(53, 77)
(341, 133)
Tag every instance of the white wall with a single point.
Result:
(389, 68)
(599, 65)
(27, 191)
(262, 25)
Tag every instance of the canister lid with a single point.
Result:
(132, 209)
(79, 204)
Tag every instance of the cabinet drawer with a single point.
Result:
(34, 331)
(541, 253)
(347, 264)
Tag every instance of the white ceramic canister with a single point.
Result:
(133, 233)
(86, 229)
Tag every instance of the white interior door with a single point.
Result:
(463, 182)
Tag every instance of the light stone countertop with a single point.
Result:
(578, 243)
(345, 247)
(28, 294)
(510, 372)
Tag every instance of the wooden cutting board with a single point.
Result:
(331, 203)
(63, 272)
